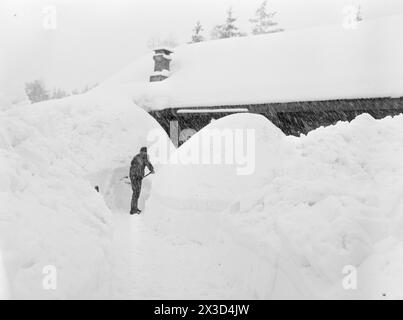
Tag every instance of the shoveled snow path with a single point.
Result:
(147, 265)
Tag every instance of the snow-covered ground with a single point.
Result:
(311, 206)
(150, 265)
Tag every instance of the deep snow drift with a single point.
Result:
(49, 216)
(318, 203)
(320, 63)
(215, 183)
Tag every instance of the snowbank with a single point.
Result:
(96, 130)
(319, 203)
(215, 176)
(50, 216)
(187, 193)
(341, 63)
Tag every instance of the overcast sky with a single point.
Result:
(95, 38)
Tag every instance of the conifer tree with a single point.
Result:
(263, 21)
(228, 29)
(197, 37)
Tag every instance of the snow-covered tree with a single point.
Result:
(228, 29)
(263, 21)
(197, 37)
(59, 93)
(36, 91)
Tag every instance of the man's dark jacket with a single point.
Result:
(138, 165)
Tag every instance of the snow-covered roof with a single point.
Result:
(164, 49)
(321, 63)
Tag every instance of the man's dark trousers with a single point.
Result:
(136, 187)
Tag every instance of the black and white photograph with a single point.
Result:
(228, 150)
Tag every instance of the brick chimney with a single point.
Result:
(162, 58)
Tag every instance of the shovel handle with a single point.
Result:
(147, 174)
(126, 177)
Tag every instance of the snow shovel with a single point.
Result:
(127, 177)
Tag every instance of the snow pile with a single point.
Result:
(50, 216)
(95, 130)
(203, 179)
(335, 202)
(318, 203)
(321, 63)
(214, 176)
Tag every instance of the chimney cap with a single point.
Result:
(164, 50)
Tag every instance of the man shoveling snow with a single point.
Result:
(138, 164)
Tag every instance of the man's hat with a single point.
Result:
(143, 149)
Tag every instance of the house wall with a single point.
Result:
(293, 118)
